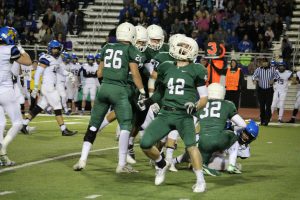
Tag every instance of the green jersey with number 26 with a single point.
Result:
(180, 83)
(116, 58)
(214, 115)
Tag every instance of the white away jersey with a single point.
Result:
(53, 67)
(90, 73)
(282, 83)
(61, 79)
(8, 54)
(75, 70)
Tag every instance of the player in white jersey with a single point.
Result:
(8, 102)
(280, 90)
(49, 66)
(98, 58)
(90, 82)
(72, 88)
(297, 103)
(26, 76)
(61, 82)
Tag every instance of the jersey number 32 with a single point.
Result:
(212, 109)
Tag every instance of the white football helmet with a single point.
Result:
(184, 48)
(175, 38)
(216, 91)
(126, 32)
(156, 33)
(141, 36)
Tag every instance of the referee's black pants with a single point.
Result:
(265, 98)
(234, 96)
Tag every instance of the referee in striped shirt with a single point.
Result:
(265, 77)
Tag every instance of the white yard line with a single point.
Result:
(6, 192)
(50, 159)
(93, 196)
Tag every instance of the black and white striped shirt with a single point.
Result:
(264, 76)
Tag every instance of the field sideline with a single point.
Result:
(271, 173)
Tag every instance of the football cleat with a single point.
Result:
(5, 161)
(80, 165)
(233, 170)
(210, 172)
(30, 129)
(24, 130)
(199, 187)
(131, 151)
(172, 168)
(130, 160)
(125, 169)
(161, 174)
(67, 132)
(292, 120)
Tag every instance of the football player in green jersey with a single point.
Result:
(114, 67)
(181, 80)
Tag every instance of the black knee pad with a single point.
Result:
(22, 109)
(36, 110)
(69, 100)
(57, 112)
(90, 135)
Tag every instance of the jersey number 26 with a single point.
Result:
(113, 58)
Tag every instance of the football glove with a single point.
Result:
(34, 92)
(20, 48)
(155, 108)
(190, 108)
(141, 100)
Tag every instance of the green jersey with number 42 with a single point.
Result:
(180, 83)
(116, 58)
(214, 115)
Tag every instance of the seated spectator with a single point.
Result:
(42, 31)
(241, 30)
(142, 20)
(187, 14)
(71, 6)
(269, 35)
(202, 21)
(277, 27)
(59, 27)
(30, 39)
(49, 18)
(287, 50)
(127, 18)
(166, 22)
(47, 37)
(245, 44)
(187, 27)
(75, 24)
(201, 38)
(213, 24)
(226, 24)
(232, 41)
(261, 44)
(220, 35)
(176, 27)
(63, 16)
(154, 19)
(245, 60)
(30, 23)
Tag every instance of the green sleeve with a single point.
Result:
(161, 71)
(102, 52)
(135, 55)
(231, 109)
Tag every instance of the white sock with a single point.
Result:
(63, 127)
(123, 147)
(131, 140)
(104, 124)
(233, 150)
(11, 134)
(178, 159)
(26, 121)
(199, 175)
(281, 110)
(86, 147)
(82, 109)
(142, 133)
(169, 154)
(118, 131)
(1, 133)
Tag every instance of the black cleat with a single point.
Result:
(292, 120)
(131, 151)
(67, 132)
(24, 130)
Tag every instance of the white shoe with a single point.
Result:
(30, 129)
(231, 169)
(125, 169)
(161, 173)
(80, 165)
(130, 160)
(199, 187)
(172, 168)
(5, 161)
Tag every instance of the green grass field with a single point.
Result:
(273, 171)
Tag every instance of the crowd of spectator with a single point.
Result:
(242, 25)
(60, 17)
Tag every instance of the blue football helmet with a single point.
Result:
(8, 35)
(54, 44)
(250, 133)
(74, 56)
(66, 57)
(273, 63)
(90, 57)
(98, 56)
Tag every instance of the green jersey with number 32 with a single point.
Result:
(116, 58)
(214, 115)
(180, 83)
